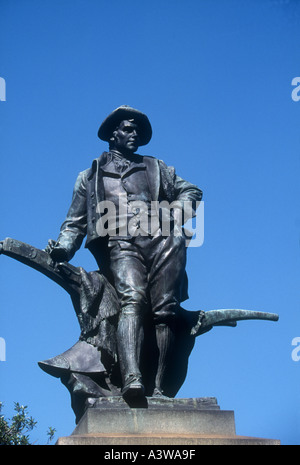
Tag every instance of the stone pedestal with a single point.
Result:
(198, 421)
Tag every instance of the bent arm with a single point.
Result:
(183, 196)
(188, 197)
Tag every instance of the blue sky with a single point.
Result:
(214, 77)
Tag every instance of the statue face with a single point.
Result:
(126, 138)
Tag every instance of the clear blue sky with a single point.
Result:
(214, 77)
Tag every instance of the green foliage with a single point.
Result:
(50, 433)
(16, 431)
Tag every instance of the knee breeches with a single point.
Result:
(148, 273)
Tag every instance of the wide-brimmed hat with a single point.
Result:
(126, 113)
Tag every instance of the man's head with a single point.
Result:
(126, 128)
(125, 138)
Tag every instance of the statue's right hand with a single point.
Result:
(56, 252)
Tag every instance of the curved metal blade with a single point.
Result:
(64, 274)
(229, 317)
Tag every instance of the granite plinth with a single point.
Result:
(197, 421)
(164, 440)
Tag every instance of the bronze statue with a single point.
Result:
(135, 336)
(146, 268)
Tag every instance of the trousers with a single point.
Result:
(147, 273)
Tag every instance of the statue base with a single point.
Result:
(158, 421)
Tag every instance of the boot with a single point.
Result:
(165, 343)
(129, 338)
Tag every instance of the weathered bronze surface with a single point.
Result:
(135, 336)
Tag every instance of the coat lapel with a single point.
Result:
(95, 178)
(153, 176)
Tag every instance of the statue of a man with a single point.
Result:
(144, 261)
